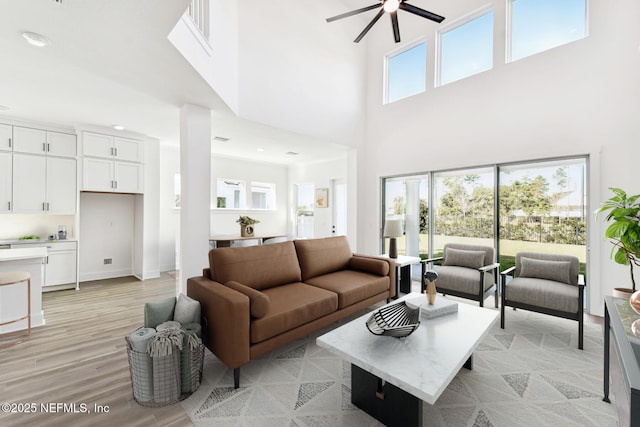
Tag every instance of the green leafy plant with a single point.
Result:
(245, 220)
(624, 230)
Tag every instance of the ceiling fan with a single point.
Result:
(391, 7)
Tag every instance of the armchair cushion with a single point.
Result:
(461, 279)
(543, 293)
(557, 271)
(258, 301)
(463, 258)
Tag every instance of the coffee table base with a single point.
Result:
(385, 402)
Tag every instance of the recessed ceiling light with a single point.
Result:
(36, 39)
(118, 127)
(260, 149)
(220, 138)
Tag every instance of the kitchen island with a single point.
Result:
(13, 299)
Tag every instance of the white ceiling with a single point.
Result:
(110, 63)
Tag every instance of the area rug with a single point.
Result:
(529, 374)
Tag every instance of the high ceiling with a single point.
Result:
(109, 63)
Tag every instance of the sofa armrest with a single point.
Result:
(376, 266)
(391, 274)
(228, 317)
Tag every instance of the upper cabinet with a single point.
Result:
(38, 141)
(112, 147)
(6, 137)
(112, 164)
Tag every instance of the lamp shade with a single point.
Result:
(393, 228)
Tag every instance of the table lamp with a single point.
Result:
(393, 229)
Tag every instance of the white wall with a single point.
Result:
(13, 226)
(169, 216)
(106, 231)
(581, 98)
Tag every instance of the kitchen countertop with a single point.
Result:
(25, 242)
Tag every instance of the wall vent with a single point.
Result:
(60, 2)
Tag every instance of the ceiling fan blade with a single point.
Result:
(353, 12)
(421, 12)
(394, 23)
(368, 27)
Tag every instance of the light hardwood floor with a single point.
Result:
(79, 356)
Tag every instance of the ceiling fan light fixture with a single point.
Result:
(35, 39)
(391, 5)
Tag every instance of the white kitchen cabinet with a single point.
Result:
(27, 140)
(60, 267)
(61, 144)
(61, 185)
(111, 176)
(38, 141)
(44, 184)
(6, 137)
(6, 180)
(112, 147)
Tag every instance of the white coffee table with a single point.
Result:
(391, 377)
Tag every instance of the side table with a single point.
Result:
(403, 272)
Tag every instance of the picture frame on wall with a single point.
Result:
(322, 197)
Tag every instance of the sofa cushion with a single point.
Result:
(558, 271)
(351, 286)
(258, 301)
(369, 265)
(463, 258)
(461, 279)
(292, 305)
(259, 267)
(322, 256)
(543, 293)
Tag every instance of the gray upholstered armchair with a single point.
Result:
(545, 283)
(467, 271)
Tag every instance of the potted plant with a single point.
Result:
(624, 232)
(246, 225)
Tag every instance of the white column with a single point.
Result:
(195, 191)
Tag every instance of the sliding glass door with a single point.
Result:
(463, 208)
(543, 207)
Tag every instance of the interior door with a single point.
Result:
(339, 207)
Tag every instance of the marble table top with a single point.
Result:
(425, 362)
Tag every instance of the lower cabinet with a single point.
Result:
(61, 263)
(60, 267)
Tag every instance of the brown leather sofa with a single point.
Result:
(257, 298)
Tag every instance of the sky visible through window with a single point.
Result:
(539, 25)
(407, 73)
(467, 50)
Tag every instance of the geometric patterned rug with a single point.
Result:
(529, 374)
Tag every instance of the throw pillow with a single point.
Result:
(187, 310)
(463, 258)
(158, 312)
(258, 302)
(558, 271)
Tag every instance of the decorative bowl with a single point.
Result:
(396, 320)
(634, 301)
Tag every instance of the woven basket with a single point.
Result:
(166, 370)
